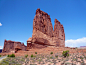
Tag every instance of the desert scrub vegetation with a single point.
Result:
(51, 57)
(4, 62)
(31, 55)
(22, 59)
(12, 61)
(26, 56)
(35, 52)
(47, 59)
(56, 55)
(65, 53)
(12, 55)
(0, 55)
(51, 53)
(43, 59)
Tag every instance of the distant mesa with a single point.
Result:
(43, 35)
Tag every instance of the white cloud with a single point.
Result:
(0, 24)
(76, 43)
(1, 47)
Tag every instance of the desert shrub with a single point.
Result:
(22, 60)
(51, 53)
(0, 55)
(51, 57)
(31, 55)
(26, 56)
(8, 55)
(4, 62)
(35, 52)
(65, 53)
(12, 55)
(81, 57)
(34, 56)
(56, 55)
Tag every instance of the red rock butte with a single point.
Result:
(12, 46)
(43, 35)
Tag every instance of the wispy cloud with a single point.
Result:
(76, 43)
(0, 24)
(1, 47)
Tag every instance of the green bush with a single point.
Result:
(65, 53)
(8, 55)
(51, 53)
(0, 55)
(26, 56)
(12, 55)
(51, 57)
(35, 52)
(32, 55)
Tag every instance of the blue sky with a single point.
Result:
(16, 19)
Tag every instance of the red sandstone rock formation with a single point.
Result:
(29, 44)
(10, 46)
(42, 22)
(43, 34)
(17, 48)
(59, 33)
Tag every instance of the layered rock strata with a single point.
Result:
(43, 33)
(12, 46)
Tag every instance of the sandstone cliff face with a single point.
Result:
(43, 33)
(59, 33)
(9, 46)
(42, 22)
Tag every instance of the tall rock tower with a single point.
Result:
(43, 33)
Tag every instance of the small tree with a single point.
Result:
(65, 53)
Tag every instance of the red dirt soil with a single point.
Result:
(47, 50)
